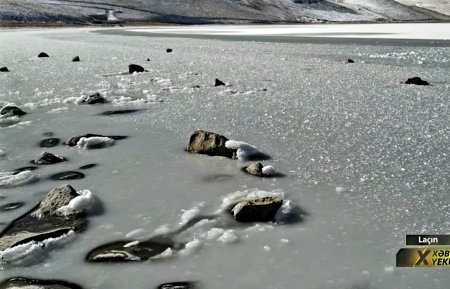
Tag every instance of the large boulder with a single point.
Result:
(11, 110)
(45, 220)
(256, 210)
(46, 158)
(255, 169)
(132, 68)
(209, 143)
(26, 283)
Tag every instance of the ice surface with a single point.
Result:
(324, 122)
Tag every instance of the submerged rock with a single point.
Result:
(49, 142)
(416, 81)
(218, 83)
(11, 110)
(69, 175)
(93, 99)
(11, 206)
(132, 68)
(179, 285)
(44, 221)
(256, 210)
(46, 158)
(76, 59)
(85, 167)
(4, 69)
(129, 251)
(22, 169)
(209, 143)
(43, 54)
(25, 283)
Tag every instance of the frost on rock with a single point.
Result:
(95, 142)
(81, 203)
(11, 179)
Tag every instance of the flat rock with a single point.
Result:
(128, 251)
(11, 110)
(416, 81)
(44, 221)
(69, 175)
(46, 158)
(11, 206)
(256, 210)
(218, 82)
(4, 69)
(179, 285)
(85, 167)
(209, 143)
(49, 142)
(76, 59)
(22, 169)
(94, 99)
(26, 283)
(132, 68)
(43, 54)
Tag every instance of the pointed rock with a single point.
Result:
(218, 83)
(350, 60)
(256, 210)
(43, 54)
(132, 68)
(47, 158)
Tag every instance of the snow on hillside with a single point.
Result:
(217, 11)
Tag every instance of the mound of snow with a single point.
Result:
(81, 203)
(245, 151)
(10, 179)
(95, 142)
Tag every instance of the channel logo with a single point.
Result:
(425, 253)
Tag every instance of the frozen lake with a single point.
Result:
(365, 157)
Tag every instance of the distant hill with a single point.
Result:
(218, 11)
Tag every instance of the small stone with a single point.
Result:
(85, 167)
(120, 111)
(416, 81)
(209, 143)
(4, 69)
(49, 142)
(179, 285)
(69, 175)
(148, 59)
(43, 54)
(11, 206)
(47, 158)
(132, 68)
(255, 169)
(76, 59)
(11, 110)
(219, 83)
(25, 283)
(256, 210)
(350, 61)
(168, 50)
(94, 99)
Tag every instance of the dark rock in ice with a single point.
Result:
(179, 285)
(85, 167)
(46, 158)
(254, 169)
(47, 133)
(49, 142)
(94, 99)
(132, 68)
(350, 61)
(217, 178)
(120, 112)
(128, 251)
(4, 69)
(22, 169)
(44, 221)
(70, 175)
(256, 210)
(416, 81)
(11, 206)
(209, 143)
(43, 54)
(74, 140)
(11, 110)
(218, 83)
(168, 50)
(76, 59)
(20, 282)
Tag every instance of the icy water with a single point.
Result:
(366, 158)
